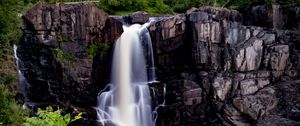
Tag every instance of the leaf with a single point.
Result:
(77, 117)
(67, 118)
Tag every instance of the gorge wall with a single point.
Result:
(220, 66)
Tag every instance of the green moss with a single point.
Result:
(63, 56)
(62, 37)
(93, 49)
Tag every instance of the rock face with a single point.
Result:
(273, 16)
(237, 68)
(218, 66)
(58, 53)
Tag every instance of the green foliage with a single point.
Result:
(57, 1)
(10, 18)
(49, 117)
(63, 56)
(10, 113)
(94, 48)
(121, 6)
(62, 37)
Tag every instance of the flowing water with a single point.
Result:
(127, 100)
(22, 80)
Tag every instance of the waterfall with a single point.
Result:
(127, 100)
(22, 80)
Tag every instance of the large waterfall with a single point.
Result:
(127, 101)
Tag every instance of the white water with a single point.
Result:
(22, 80)
(128, 100)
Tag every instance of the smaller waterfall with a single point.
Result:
(22, 80)
(154, 113)
(147, 43)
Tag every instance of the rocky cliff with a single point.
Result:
(220, 67)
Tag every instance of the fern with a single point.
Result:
(49, 117)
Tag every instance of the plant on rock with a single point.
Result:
(49, 117)
(63, 56)
(94, 48)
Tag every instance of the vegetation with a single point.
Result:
(62, 37)
(10, 113)
(94, 48)
(121, 6)
(63, 56)
(49, 117)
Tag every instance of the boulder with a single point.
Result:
(139, 17)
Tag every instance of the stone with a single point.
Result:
(236, 33)
(234, 116)
(279, 57)
(172, 26)
(139, 17)
(113, 30)
(255, 106)
(192, 97)
(248, 86)
(198, 16)
(262, 82)
(268, 39)
(249, 57)
(221, 86)
(263, 74)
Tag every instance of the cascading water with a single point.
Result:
(22, 80)
(128, 100)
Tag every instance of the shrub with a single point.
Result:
(49, 117)
(10, 113)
